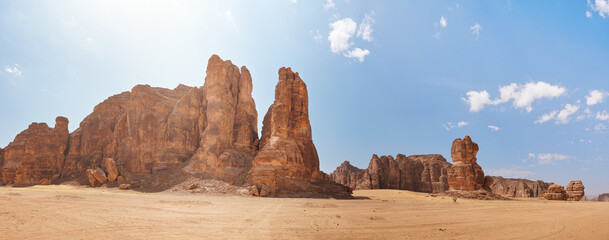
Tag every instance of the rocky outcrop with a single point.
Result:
(421, 173)
(575, 190)
(37, 155)
(518, 188)
(287, 162)
(212, 129)
(556, 192)
(603, 197)
(465, 173)
(111, 169)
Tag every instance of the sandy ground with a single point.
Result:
(69, 212)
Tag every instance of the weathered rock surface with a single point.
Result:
(287, 162)
(421, 173)
(36, 154)
(212, 129)
(575, 190)
(465, 173)
(518, 188)
(111, 169)
(556, 192)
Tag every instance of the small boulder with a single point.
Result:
(111, 169)
(124, 186)
(100, 176)
(254, 190)
(44, 181)
(265, 191)
(91, 176)
(193, 186)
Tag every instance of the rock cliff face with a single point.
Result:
(466, 174)
(519, 188)
(153, 136)
(36, 156)
(213, 128)
(421, 173)
(287, 161)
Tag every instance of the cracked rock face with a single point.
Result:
(37, 154)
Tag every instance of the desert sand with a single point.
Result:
(72, 212)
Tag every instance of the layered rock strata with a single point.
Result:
(556, 192)
(421, 173)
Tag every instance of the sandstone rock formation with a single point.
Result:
(36, 155)
(421, 173)
(575, 190)
(287, 161)
(153, 135)
(556, 192)
(603, 197)
(466, 174)
(519, 188)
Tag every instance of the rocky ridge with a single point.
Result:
(158, 136)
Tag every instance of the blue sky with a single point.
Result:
(529, 81)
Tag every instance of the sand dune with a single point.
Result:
(69, 212)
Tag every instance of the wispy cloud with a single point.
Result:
(329, 5)
(229, 16)
(595, 97)
(562, 117)
(15, 70)
(450, 125)
(365, 28)
(603, 116)
(443, 22)
(549, 158)
(358, 54)
(494, 128)
(317, 36)
(476, 30)
(522, 95)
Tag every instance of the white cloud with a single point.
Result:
(358, 54)
(450, 125)
(15, 69)
(563, 116)
(604, 116)
(513, 172)
(476, 30)
(600, 6)
(342, 30)
(595, 97)
(443, 22)
(522, 95)
(494, 128)
(547, 117)
(551, 158)
(294, 1)
(317, 36)
(365, 28)
(588, 14)
(328, 5)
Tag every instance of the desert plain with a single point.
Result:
(77, 212)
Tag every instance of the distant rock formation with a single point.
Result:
(37, 155)
(287, 162)
(556, 192)
(420, 173)
(153, 135)
(465, 173)
(603, 197)
(519, 188)
(575, 190)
